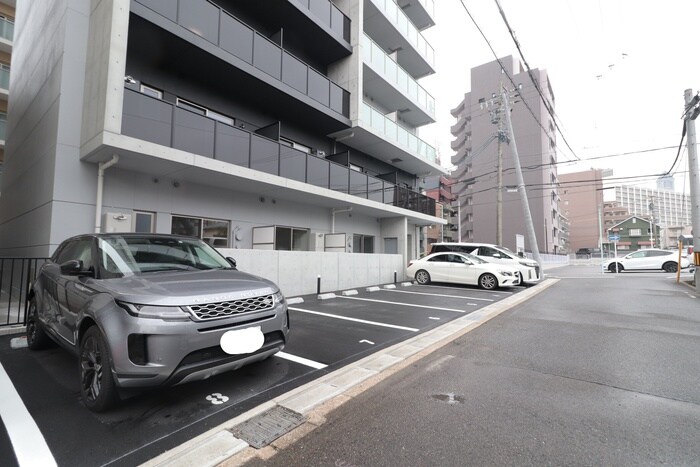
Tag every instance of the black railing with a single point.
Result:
(155, 120)
(16, 277)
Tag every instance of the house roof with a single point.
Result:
(629, 218)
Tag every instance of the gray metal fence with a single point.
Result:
(16, 276)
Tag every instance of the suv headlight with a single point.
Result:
(168, 313)
(278, 297)
(529, 264)
(505, 273)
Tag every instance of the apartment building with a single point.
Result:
(668, 208)
(7, 26)
(277, 125)
(476, 157)
(439, 188)
(582, 204)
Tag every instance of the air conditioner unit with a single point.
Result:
(116, 222)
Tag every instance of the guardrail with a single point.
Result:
(16, 276)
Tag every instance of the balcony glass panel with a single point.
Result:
(193, 133)
(397, 17)
(339, 178)
(317, 170)
(392, 72)
(385, 127)
(236, 38)
(293, 163)
(322, 9)
(338, 99)
(375, 189)
(358, 184)
(319, 87)
(294, 72)
(232, 145)
(147, 118)
(267, 56)
(3, 126)
(167, 8)
(200, 17)
(264, 155)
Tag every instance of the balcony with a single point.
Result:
(329, 15)
(7, 33)
(4, 78)
(151, 119)
(252, 61)
(386, 80)
(388, 25)
(421, 12)
(3, 128)
(381, 137)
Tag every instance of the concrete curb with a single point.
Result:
(208, 448)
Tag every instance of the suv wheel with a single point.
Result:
(36, 337)
(97, 387)
(670, 267)
(488, 281)
(422, 277)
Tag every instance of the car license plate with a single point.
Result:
(242, 341)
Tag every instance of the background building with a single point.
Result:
(7, 26)
(668, 208)
(635, 234)
(270, 125)
(440, 189)
(582, 204)
(476, 158)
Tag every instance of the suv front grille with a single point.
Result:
(235, 307)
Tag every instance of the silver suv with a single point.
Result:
(528, 269)
(145, 310)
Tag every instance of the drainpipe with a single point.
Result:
(335, 211)
(101, 167)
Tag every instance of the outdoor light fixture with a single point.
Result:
(129, 79)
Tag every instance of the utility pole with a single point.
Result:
(530, 228)
(692, 109)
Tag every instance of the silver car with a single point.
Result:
(145, 310)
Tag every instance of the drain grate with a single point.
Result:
(263, 429)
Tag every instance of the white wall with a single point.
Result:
(296, 272)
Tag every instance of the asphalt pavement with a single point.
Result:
(598, 369)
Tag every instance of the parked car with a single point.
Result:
(528, 269)
(652, 258)
(462, 268)
(146, 310)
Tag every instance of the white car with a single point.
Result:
(462, 268)
(528, 269)
(652, 258)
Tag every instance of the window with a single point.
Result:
(295, 145)
(80, 250)
(635, 233)
(143, 222)
(362, 243)
(220, 117)
(191, 107)
(291, 239)
(213, 231)
(356, 168)
(151, 91)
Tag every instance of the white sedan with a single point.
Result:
(652, 258)
(462, 268)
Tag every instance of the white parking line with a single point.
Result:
(302, 360)
(462, 288)
(409, 304)
(441, 295)
(27, 441)
(374, 323)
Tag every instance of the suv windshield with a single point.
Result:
(125, 256)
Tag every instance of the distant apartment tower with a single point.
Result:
(582, 204)
(250, 124)
(475, 175)
(668, 208)
(666, 183)
(439, 188)
(7, 26)
(613, 214)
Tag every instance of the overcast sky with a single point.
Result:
(618, 69)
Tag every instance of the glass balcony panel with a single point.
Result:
(236, 38)
(403, 137)
(402, 23)
(232, 145)
(366, 114)
(358, 184)
(391, 130)
(264, 155)
(339, 178)
(375, 189)
(267, 56)
(200, 17)
(378, 58)
(412, 143)
(367, 49)
(391, 70)
(167, 8)
(193, 133)
(389, 194)
(378, 121)
(3, 126)
(317, 171)
(413, 90)
(322, 9)
(147, 118)
(319, 87)
(293, 163)
(294, 72)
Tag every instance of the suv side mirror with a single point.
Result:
(72, 267)
(231, 261)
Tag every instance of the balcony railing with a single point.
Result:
(330, 15)
(227, 32)
(161, 122)
(429, 6)
(3, 126)
(397, 76)
(375, 120)
(7, 29)
(4, 76)
(404, 25)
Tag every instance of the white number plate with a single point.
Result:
(242, 341)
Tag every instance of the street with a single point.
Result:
(600, 369)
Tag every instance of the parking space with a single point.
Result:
(325, 335)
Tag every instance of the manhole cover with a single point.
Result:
(263, 429)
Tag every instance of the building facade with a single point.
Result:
(7, 26)
(582, 204)
(668, 208)
(635, 234)
(476, 158)
(277, 125)
(440, 189)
